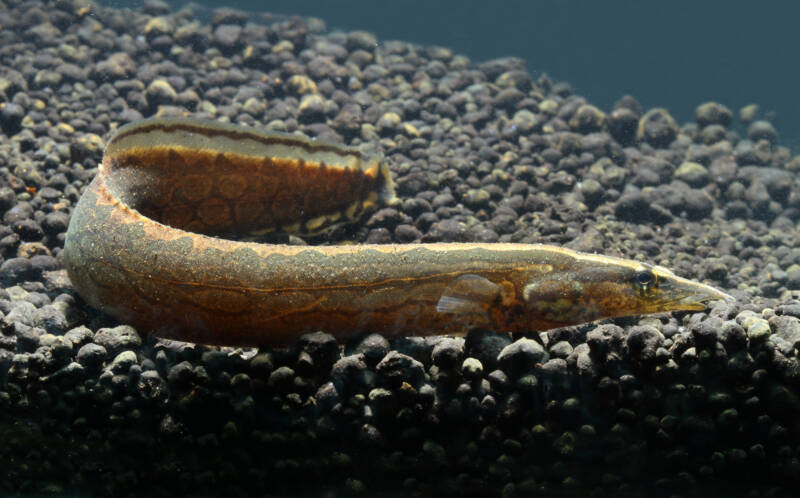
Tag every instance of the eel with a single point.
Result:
(156, 240)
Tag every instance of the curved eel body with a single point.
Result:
(146, 245)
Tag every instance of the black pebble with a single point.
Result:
(643, 341)
(732, 336)
(11, 118)
(792, 309)
(485, 345)
(19, 212)
(28, 230)
(374, 347)
(17, 270)
(43, 262)
(118, 339)
(396, 368)
(7, 198)
(322, 348)
(349, 373)
(705, 333)
(180, 375)
(448, 352)
(55, 222)
(638, 208)
(698, 204)
(281, 379)
(521, 356)
(27, 338)
(91, 356)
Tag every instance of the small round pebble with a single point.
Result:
(91, 356)
(521, 356)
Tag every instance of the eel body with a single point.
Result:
(150, 243)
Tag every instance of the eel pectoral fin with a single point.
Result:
(469, 298)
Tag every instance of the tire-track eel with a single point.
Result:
(150, 243)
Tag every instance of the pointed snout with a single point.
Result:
(676, 293)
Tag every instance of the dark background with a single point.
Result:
(674, 54)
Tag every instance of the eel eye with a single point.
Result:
(645, 279)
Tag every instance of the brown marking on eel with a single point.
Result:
(146, 244)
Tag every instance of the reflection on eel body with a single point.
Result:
(147, 244)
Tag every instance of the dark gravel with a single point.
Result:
(684, 404)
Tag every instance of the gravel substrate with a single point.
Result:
(685, 404)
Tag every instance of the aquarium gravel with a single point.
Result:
(678, 405)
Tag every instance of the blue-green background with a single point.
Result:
(676, 53)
